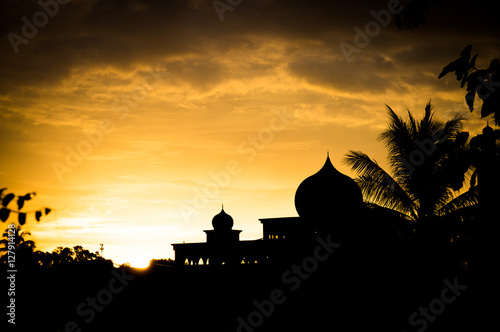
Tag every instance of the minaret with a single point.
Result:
(223, 231)
(222, 239)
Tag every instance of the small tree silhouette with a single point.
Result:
(84, 255)
(24, 249)
(19, 239)
(63, 255)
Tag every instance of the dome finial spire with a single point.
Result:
(327, 193)
(328, 161)
(222, 221)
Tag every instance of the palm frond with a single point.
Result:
(428, 123)
(465, 200)
(29, 243)
(423, 178)
(397, 139)
(377, 186)
(452, 126)
(413, 124)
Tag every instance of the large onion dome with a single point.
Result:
(328, 195)
(222, 221)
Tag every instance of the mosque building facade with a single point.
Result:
(325, 203)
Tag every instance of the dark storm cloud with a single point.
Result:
(336, 74)
(122, 33)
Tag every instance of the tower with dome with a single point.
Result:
(326, 203)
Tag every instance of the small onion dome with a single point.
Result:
(222, 221)
(328, 195)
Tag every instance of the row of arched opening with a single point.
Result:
(193, 261)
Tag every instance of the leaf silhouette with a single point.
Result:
(483, 82)
(6, 200)
(466, 52)
(460, 66)
(20, 203)
(491, 105)
(4, 214)
(22, 199)
(473, 61)
(452, 66)
(38, 215)
(469, 99)
(22, 218)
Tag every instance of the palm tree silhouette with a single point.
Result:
(428, 164)
(24, 249)
(19, 240)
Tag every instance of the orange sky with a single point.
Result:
(135, 120)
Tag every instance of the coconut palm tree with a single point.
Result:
(24, 249)
(19, 240)
(427, 166)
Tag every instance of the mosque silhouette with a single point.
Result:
(326, 202)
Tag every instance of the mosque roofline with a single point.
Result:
(202, 244)
(193, 243)
(279, 218)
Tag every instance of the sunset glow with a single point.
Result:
(135, 121)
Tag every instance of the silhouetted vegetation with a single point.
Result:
(162, 262)
(428, 166)
(24, 248)
(6, 210)
(66, 255)
(483, 82)
(26, 254)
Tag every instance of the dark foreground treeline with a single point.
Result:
(364, 285)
